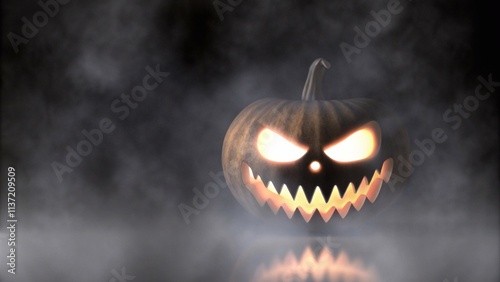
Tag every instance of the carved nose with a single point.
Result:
(315, 167)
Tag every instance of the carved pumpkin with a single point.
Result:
(312, 156)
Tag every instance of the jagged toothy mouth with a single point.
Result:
(353, 195)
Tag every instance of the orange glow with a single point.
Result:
(315, 166)
(274, 147)
(285, 200)
(360, 145)
(311, 268)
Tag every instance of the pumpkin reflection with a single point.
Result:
(310, 267)
(281, 258)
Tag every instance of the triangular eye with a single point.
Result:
(275, 147)
(363, 144)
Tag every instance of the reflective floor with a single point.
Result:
(219, 249)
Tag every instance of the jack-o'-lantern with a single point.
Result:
(311, 156)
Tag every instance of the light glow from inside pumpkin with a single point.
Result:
(360, 145)
(286, 201)
(315, 166)
(275, 147)
(325, 267)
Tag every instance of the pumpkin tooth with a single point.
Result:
(300, 197)
(305, 208)
(306, 214)
(344, 210)
(274, 204)
(290, 258)
(318, 200)
(289, 206)
(350, 193)
(342, 258)
(325, 255)
(335, 198)
(285, 193)
(358, 203)
(318, 273)
(289, 210)
(254, 189)
(387, 169)
(259, 179)
(251, 173)
(259, 197)
(374, 190)
(271, 188)
(307, 257)
(363, 186)
(264, 179)
(328, 214)
(246, 174)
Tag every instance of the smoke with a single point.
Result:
(119, 207)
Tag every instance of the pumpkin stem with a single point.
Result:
(312, 87)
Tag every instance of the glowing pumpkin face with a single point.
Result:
(311, 156)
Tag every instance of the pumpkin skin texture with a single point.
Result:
(309, 181)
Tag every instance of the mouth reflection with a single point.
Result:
(353, 196)
(308, 267)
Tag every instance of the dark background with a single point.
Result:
(119, 208)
